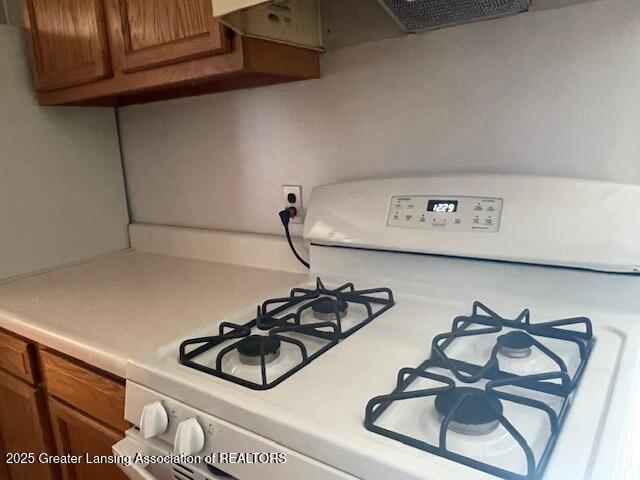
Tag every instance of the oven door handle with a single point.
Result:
(135, 471)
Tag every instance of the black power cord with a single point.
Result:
(285, 216)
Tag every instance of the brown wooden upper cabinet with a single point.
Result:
(148, 33)
(115, 52)
(69, 42)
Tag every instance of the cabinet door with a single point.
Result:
(24, 427)
(151, 33)
(77, 434)
(68, 42)
(4, 471)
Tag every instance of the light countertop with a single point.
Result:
(110, 309)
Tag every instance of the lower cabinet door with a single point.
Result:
(77, 434)
(24, 431)
(4, 471)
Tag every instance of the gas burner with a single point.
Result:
(327, 308)
(284, 322)
(475, 412)
(253, 347)
(477, 409)
(516, 344)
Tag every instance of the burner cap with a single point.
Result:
(249, 349)
(326, 308)
(473, 416)
(516, 344)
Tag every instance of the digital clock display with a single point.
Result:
(442, 206)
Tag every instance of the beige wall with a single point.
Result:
(61, 190)
(13, 11)
(549, 93)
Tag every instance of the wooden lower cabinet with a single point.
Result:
(78, 434)
(4, 470)
(89, 391)
(24, 428)
(54, 404)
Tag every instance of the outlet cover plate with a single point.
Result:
(297, 191)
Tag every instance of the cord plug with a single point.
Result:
(285, 216)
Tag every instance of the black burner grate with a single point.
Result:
(557, 383)
(270, 318)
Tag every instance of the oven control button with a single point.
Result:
(154, 420)
(189, 437)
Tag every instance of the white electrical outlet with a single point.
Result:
(293, 192)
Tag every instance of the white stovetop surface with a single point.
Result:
(319, 410)
(139, 306)
(113, 308)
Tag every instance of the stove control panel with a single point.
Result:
(191, 431)
(445, 212)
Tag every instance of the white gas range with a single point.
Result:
(426, 344)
